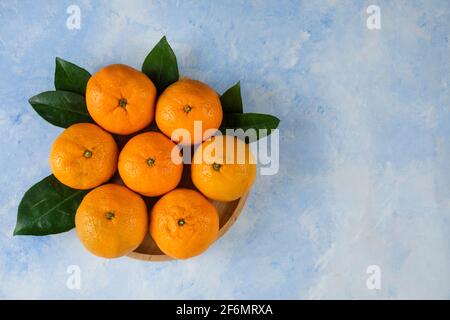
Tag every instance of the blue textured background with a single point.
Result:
(365, 153)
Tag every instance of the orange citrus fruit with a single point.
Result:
(184, 102)
(146, 165)
(111, 221)
(183, 223)
(121, 99)
(83, 156)
(223, 168)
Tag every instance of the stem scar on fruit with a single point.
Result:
(87, 153)
(181, 222)
(216, 166)
(151, 162)
(123, 102)
(187, 108)
(110, 215)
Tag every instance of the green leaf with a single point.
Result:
(48, 207)
(70, 77)
(247, 121)
(231, 100)
(161, 66)
(61, 108)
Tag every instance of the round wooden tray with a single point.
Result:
(228, 214)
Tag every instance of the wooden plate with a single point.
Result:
(228, 214)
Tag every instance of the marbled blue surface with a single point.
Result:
(364, 173)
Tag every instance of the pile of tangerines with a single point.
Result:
(113, 219)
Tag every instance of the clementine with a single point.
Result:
(111, 221)
(184, 102)
(183, 223)
(121, 99)
(223, 168)
(146, 165)
(83, 156)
